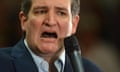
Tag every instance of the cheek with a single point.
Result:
(35, 24)
(33, 28)
(66, 29)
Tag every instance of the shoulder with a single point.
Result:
(90, 66)
(5, 55)
(6, 64)
(6, 50)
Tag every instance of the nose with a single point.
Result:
(50, 19)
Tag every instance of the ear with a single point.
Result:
(75, 23)
(23, 20)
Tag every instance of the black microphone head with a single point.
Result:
(71, 43)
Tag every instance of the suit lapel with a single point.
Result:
(23, 64)
(22, 59)
(68, 66)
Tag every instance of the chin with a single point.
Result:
(52, 49)
(49, 48)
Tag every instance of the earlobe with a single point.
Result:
(23, 20)
(75, 24)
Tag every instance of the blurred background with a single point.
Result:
(98, 31)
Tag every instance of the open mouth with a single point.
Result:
(49, 35)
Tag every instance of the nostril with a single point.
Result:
(50, 24)
(46, 24)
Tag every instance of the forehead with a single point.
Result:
(50, 3)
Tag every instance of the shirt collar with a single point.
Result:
(60, 63)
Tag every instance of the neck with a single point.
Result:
(50, 58)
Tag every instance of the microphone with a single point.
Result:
(73, 50)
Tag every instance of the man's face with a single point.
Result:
(47, 24)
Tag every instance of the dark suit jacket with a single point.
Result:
(18, 59)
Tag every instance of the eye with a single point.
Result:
(61, 13)
(40, 11)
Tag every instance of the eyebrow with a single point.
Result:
(40, 7)
(61, 8)
(45, 7)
